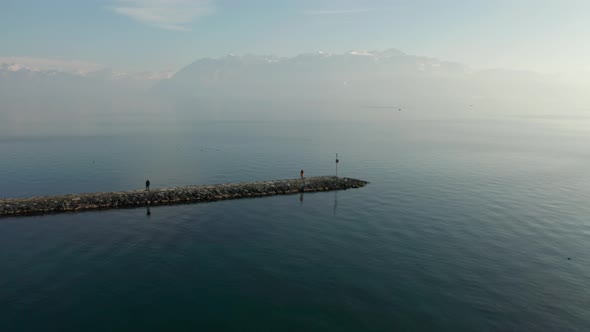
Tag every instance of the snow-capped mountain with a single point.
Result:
(20, 82)
(364, 74)
(374, 77)
(357, 77)
(28, 91)
(99, 72)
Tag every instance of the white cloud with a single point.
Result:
(165, 14)
(337, 11)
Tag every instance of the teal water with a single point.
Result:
(467, 225)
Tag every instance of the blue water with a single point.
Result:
(467, 225)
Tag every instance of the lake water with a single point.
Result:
(467, 225)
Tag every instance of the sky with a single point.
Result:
(548, 36)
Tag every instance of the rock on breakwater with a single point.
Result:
(170, 196)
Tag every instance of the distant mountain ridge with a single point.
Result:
(13, 69)
(41, 93)
(379, 78)
(252, 74)
(382, 77)
(22, 81)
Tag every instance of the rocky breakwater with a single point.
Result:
(170, 196)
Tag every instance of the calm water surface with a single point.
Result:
(467, 225)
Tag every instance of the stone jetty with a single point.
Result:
(171, 196)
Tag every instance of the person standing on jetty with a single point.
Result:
(302, 182)
(147, 184)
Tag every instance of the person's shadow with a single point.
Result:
(148, 211)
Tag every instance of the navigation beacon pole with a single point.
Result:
(337, 161)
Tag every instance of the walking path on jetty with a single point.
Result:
(171, 196)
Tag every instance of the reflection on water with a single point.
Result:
(335, 202)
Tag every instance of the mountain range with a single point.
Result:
(388, 78)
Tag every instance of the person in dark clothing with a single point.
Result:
(302, 182)
(147, 185)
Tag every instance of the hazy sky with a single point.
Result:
(542, 35)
